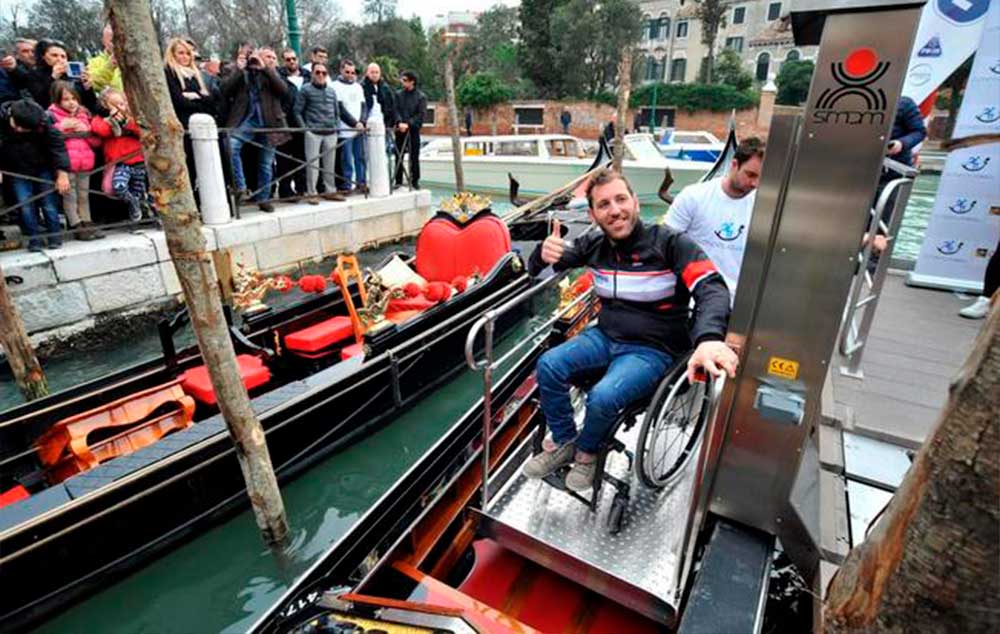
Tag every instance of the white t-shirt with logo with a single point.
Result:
(717, 223)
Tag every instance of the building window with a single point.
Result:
(429, 117)
(739, 15)
(682, 29)
(678, 68)
(529, 115)
(763, 66)
(735, 43)
(773, 11)
(664, 27)
(654, 29)
(793, 56)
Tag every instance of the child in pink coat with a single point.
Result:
(73, 120)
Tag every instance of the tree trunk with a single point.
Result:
(170, 185)
(624, 91)
(456, 144)
(27, 371)
(930, 564)
(493, 120)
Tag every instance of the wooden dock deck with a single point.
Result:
(916, 345)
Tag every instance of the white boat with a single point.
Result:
(696, 146)
(544, 162)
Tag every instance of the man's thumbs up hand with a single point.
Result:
(552, 248)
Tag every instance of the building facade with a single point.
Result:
(671, 38)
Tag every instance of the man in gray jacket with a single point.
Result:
(318, 109)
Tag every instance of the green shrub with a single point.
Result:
(691, 97)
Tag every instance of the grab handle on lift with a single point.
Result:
(488, 363)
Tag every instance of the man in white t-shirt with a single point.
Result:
(716, 213)
(351, 149)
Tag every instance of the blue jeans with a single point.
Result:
(630, 372)
(25, 189)
(239, 136)
(351, 155)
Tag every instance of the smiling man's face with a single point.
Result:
(614, 209)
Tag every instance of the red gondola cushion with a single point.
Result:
(13, 494)
(319, 336)
(196, 382)
(446, 249)
(408, 303)
(352, 350)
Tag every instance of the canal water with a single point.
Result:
(223, 579)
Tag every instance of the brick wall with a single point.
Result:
(588, 120)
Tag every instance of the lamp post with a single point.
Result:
(294, 34)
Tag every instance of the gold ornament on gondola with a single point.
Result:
(372, 315)
(465, 204)
(250, 287)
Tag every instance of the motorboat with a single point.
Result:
(99, 478)
(543, 162)
(697, 146)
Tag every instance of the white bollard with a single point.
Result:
(378, 162)
(212, 198)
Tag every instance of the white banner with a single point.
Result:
(964, 227)
(947, 35)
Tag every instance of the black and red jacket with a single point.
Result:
(646, 283)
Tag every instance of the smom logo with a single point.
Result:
(856, 101)
(988, 115)
(728, 231)
(950, 247)
(962, 206)
(975, 163)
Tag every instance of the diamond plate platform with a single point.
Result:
(638, 567)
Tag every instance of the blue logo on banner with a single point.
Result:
(975, 163)
(931, 49)
(728, 231)
(950, 247)
(962, 12)
(962, 206)
(989, 115)
(995, 68)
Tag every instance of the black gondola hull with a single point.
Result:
(115, 527)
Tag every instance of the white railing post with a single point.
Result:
(378, 162)
(213, 203)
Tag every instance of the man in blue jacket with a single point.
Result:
(908, 130)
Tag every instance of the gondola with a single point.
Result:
(315, 382)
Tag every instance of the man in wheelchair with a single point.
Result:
(645, 277)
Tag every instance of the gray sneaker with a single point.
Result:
(548, 461)
(581, 476)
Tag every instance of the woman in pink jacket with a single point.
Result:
(73, 120)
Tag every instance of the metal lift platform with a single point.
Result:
(639, 567)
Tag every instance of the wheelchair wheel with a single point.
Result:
(671, 428)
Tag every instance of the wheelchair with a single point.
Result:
(674, 417)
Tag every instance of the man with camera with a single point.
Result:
(253, 97)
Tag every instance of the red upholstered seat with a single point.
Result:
(447, 249)
(196, 382)
(409, 303)
(321, 335)
(352, 350)
(13, 494)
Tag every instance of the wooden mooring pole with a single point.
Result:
(624, 92)
(456, 144)
(27, 371)
(137, 52)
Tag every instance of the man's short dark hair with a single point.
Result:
(603, 177)
(27, 114)
(409, 75)
(345, 63)
(317, 49)
(747, 149)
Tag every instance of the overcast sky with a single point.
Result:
(428, 10)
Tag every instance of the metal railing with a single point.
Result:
(488, 364)
(885, 219)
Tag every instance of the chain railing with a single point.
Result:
(885, 220)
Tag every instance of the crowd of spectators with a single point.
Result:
(66, 130)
